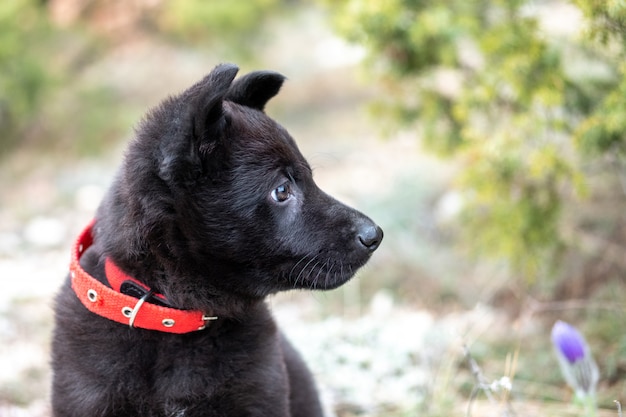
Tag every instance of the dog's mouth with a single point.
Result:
(321, 272)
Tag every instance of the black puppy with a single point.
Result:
(213, 209)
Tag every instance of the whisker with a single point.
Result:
(293, 268)
(304, 269)
(328, 274)
(319, 271)
(312, 283)
(321, 268)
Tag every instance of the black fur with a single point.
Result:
(215, 208)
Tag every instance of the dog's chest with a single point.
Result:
(207, 368)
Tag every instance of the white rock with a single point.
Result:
(88, 197)
(45, 232)
(9, 243)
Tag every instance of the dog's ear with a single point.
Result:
(207, 109)
(255, 89)
(202, 106)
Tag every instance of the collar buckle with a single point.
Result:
(206, 318)
(132, 313)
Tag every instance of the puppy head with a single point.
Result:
(215, 198)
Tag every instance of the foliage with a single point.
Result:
(24, 76)
(42, 63)
(217, 22)
(521, 108)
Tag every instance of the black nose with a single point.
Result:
(370, 236)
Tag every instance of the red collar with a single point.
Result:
(114, 305)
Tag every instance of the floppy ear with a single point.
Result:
(255, 89)
(207, 110)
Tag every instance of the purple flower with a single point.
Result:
(568, 341)
(577, 364)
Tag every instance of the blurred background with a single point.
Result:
(485, 137)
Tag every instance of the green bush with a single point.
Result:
(24, 75)
(236, 25)
(520, 109)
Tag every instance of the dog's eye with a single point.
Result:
(282, 193)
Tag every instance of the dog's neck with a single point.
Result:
(127, 300)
